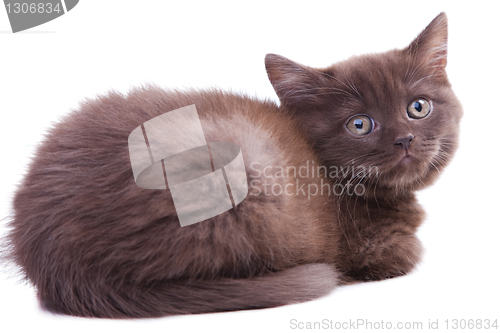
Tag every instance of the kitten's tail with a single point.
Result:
(293, 285)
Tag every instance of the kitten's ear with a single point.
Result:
(431, 44)
(294, 84)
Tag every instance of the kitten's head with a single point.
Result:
(394, 112)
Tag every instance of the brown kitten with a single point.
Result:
(93, 243)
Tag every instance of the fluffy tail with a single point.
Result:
(293, 285)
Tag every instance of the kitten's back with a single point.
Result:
(95, 244)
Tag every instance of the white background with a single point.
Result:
(102, 45)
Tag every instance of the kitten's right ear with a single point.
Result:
(431, 44)
(294, 84)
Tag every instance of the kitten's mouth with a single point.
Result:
(407, 159)
(407, 164)
(404, 170)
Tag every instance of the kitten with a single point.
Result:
(95, 244)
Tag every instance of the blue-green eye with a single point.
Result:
(360, 125)
(419, 108)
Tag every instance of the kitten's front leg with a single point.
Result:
(383, 256)
(382, 247)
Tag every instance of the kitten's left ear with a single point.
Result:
(431, 45)
(296, 85)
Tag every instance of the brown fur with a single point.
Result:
(95, 244)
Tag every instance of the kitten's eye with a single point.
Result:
(360, 125)
(419, 108)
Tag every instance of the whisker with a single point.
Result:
(424, 78)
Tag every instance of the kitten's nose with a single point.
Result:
(405, 143)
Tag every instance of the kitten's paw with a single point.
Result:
(367, 274)
(395, 256)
